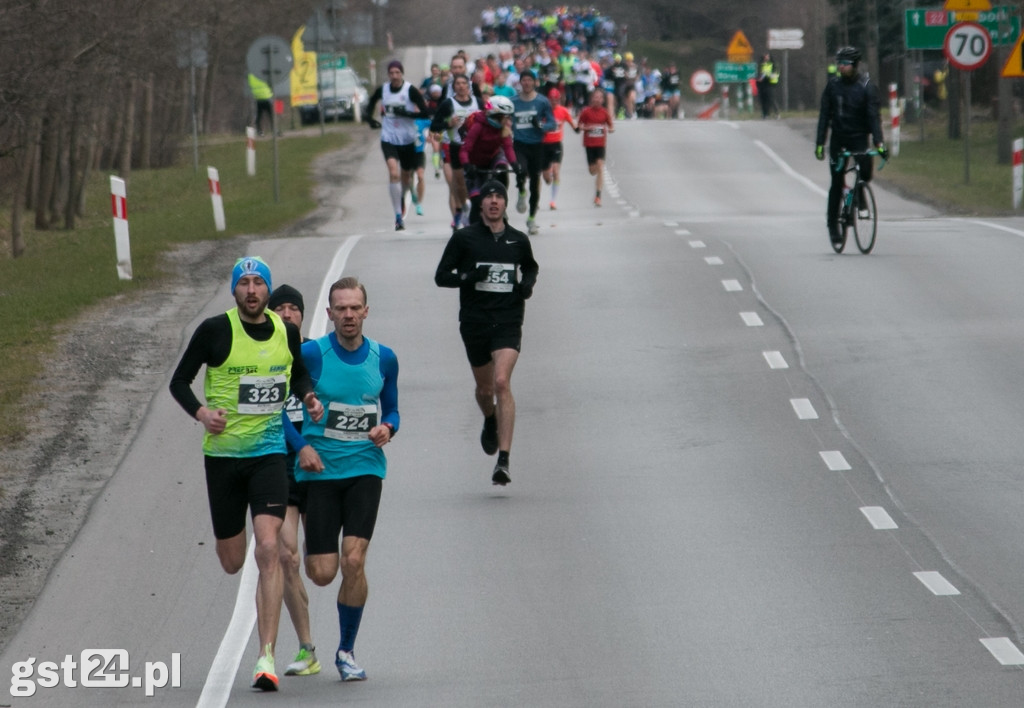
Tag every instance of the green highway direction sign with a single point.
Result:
(727, 72)
(926, 28)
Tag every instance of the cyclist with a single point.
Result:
(849, 107)
(400, 102)
(486, 147)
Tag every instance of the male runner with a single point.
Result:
(533, 118)
(340, 458)
(287, 302)
(492, 265)
(401, 103)
(250, 356)
(596, 122)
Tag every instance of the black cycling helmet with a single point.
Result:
(850, 54)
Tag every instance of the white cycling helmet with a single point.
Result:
(500, 105)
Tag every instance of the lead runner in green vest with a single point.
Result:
(252, 359)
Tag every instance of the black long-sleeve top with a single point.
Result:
(505, 251)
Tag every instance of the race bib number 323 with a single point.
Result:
(260, 395)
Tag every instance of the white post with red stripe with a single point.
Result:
(215, 197)
(119, 208)
(250, 151)
(894, 111)
(1018, 172)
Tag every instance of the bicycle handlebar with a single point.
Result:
(872, 152)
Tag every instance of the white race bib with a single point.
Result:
(345, 422)
(260, 395)
(500, 279)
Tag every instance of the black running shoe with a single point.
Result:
(489, 435)
(500, 476)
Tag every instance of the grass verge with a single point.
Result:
(63, 272)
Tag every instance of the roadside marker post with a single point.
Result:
(215, 197)
(250, 151)
(1018, 172)
(894, 111)
(119, 208)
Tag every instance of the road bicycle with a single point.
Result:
(859, 213)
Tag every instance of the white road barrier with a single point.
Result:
(215, 197)
(119, 207)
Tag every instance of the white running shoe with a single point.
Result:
(348, 668)
(305, 663)
(531, 227)
(521, 204)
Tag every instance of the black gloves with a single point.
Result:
(525, 291)
(373, 123)
(481, 272)
(469, 171)
(883, 152)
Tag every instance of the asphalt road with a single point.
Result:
(747, 471)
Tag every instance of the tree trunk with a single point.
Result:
(129, 132)
(74, 167)
(146, 143)
(47, 171)
(21, 187)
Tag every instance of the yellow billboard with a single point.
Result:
(303, 76)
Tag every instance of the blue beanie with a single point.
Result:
(250, 265)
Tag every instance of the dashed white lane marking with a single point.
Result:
(1004, 651)
(933, 580)
(732, 286)
(834, 460)
(713, 260)
(683, 232)
(804, 409)
(634, 213)
(671, 224)
(879, 518)
(751, 319)
(775, 360)
(693, 244)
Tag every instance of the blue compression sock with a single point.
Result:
(348, 622)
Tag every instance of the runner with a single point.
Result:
(551, 165)
(450, 116)
(287, 302)
(341, 459)
(250, 356)
(400, 102)
(492, 265)
(533, 119)
(595, 123)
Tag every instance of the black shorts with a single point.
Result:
(336, 504)
(296, 490)
(421, 160)
(405, 154)
(594, 154)
(530, 155)
(454, 156)
(481, 339)
(235, 483)
(552, 154)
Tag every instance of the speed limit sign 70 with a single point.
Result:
(968, 45)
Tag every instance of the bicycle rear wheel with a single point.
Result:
(865, 227)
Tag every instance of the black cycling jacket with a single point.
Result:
(849, 107)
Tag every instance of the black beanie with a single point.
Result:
(286, 293)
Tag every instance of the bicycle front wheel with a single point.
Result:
(865, 220)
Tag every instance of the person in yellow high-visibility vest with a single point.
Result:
(767, 78)
(264, 94)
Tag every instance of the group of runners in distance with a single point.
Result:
(486, 119)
